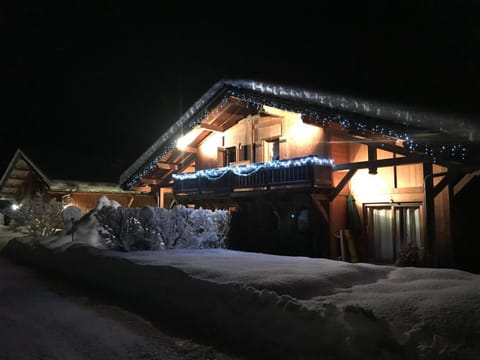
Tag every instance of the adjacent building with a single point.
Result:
(23, 179)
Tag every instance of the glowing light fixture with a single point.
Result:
(15, 207)
(187, 139)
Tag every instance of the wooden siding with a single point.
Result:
(207, 156)
(409, 176)
(88, 201)
(296, 139)
(302, 139)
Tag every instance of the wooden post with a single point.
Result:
(160, 198)
(452, 258)
(429, 213)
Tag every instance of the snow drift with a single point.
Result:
(284, 307)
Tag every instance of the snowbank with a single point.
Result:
(285, 307)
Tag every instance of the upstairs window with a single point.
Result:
(272, 149)
(230, 155)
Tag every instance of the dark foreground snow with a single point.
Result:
(43, 318)
(284, 307)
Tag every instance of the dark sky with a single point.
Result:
(87, 87)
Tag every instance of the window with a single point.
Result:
(230, 155)
(392, 228)
(272, 149)
(244, 153)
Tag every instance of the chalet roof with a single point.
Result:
(320, 108)
(21, 166)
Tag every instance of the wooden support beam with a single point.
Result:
(321, 208)
(440, 186)
(379, 143)
(161, 194)
(212, 127)
(186, 164)
(189, 149)
(166, 175)
(380, 163)
(372, 158)
(130, 202)
(167, 166)
(151, 181)
(342, 184)
(460, 185)
(429, 213)
(142, 188)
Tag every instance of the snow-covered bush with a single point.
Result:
(70, 214)
(36, 217)
(408, 256)
(205, 226)
(152, 228)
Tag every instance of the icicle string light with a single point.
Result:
(250, 169)
(439, 151)
(435, 151)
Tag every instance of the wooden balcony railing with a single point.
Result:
(310, 171)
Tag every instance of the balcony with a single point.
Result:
(305, 172)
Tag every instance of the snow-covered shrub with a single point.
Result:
(115, 222)
(207, 228)
(70, 214)
(152, 228)
(36, 217)
(408, 256)
(105, 201)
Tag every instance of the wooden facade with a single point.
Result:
(23, 180)
(294, 176)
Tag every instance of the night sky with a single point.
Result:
(87, 88)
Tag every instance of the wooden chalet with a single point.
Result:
(298, 168)
(23, 179)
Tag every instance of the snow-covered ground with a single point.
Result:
(43, 318)
(6, 234)
(279, 306)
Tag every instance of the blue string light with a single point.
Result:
(436, 151)
(250, 169)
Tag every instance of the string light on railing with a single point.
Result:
(250, 169)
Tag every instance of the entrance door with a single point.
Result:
(391, 229)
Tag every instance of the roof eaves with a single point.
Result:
(195, 113)
(455, 125)
(306, 102)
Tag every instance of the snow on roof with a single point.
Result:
(399, 114)
(306, 102)
(82, 186)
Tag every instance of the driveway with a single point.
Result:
(47, 318)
